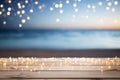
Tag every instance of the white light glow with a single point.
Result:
(23, 21)
(67, 1)
(57, 20)
(51, 8)
(109, 3)
(0, 12)
(61, 11)
(20, 25)
(60, 5)
(115, 2)
(4, 22)
(31, 11)
(74, 5)
(100, 3)
(8, 13)
(56, 5)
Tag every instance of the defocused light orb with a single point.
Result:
(40, 7)
(28, 18)
(8, 13)
(100, 3)
(31, 11)
(0, 12)
(56, 5)
(23, 6)
(26, 1)
(20, 16)
(74, 5)
(88, 6)
(51, 8)
(9, 8)
(93, 6)
(4, 22)
(61, 11)
(79, 0)
(76, 10)
(57, 20)
(18, 4)
(18, 12)
(36, 2)
(115, 2)
(113, 10)
(67, 1)
(107, 8)
(23, 11)
(1, 5)
(109, 3)
(20, 25)
(9, 1)
(60, 5)
(23, 21)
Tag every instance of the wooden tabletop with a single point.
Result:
(60, 74)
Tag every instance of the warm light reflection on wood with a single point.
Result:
(34, 64)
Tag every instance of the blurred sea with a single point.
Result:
(60, 39)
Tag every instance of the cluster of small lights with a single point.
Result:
(24, 15)
(23, 64)
(20, 11)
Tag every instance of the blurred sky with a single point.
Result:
(60, 14)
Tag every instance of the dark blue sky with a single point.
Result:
(60, 14)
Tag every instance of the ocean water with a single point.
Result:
(60, 39)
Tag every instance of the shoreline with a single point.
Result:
(59, 53)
